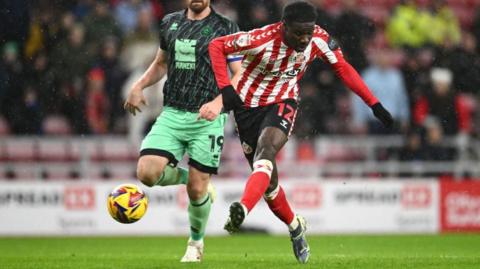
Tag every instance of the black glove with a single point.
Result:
(383, 115)
(230, 98)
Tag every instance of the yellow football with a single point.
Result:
(127, 203)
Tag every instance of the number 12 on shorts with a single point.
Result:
(286, 111)
(216, 141)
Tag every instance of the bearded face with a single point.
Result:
(198, 6)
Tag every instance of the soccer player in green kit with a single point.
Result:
(183, 56)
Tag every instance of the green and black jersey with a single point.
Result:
(191, 81)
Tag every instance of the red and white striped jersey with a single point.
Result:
(272, 70)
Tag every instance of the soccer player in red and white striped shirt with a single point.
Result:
(264, 102)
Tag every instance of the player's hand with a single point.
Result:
(383, 115)
(211, 110)
(230, 98)
(135, 98)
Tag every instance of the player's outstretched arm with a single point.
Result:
(156, 70)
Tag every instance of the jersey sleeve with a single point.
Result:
(163, 29)
(241, 43)
(330, 52)
(233, 28)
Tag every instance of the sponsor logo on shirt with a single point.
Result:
(185, 53)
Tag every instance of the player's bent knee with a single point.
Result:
(148, 174)
(196, 189)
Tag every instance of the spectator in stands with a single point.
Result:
(354, 30)
(141, 43)
(67, 22)
(226, 9)
(99, 24)
(126, 13)
(317, 112)
(44, 32)
(115, 76)
(72, 105)
(256, 13)
(450, 108)
(311, 115)
(464, 62)
(28, 113)
(259, 16)
(15, 20)
(443, 25)
(434, 148)
(97, 103)
(476, 27)
(38, 74)
(11, 85)
(412, 151)
(387, 83)
(83, 8)
(70, 59)
(408, 26)
(416, 73)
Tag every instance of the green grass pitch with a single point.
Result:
(244, 251)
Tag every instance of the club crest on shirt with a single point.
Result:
(246, 148)
(206, 31)
(299, 58)
(243, 40)
(174, 26)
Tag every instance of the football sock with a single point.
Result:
(198, 212)
(278, 204)
(173, 176)
(257, 183)
(293, 225)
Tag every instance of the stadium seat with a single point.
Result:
(58, 171)
(53, 150)
(56, 125)
(305, 151)
(118, 149)
(3, 151)
(98, 171)
(19, 172)
(84, 148)
(21, 149)
(122, 170)
(4, 127)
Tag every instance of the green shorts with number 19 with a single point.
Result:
(177, 132)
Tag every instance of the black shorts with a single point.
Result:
(251, 122)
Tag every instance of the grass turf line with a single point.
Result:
(244, 251)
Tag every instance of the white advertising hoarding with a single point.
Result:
(59, 208)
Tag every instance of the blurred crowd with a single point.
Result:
(66, 66)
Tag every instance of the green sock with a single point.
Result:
(173, 176)
(198, 212)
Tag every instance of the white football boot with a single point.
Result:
(194, 251)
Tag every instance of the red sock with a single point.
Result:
(257, 183)
(279, 206)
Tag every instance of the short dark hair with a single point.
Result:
(299, 11)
